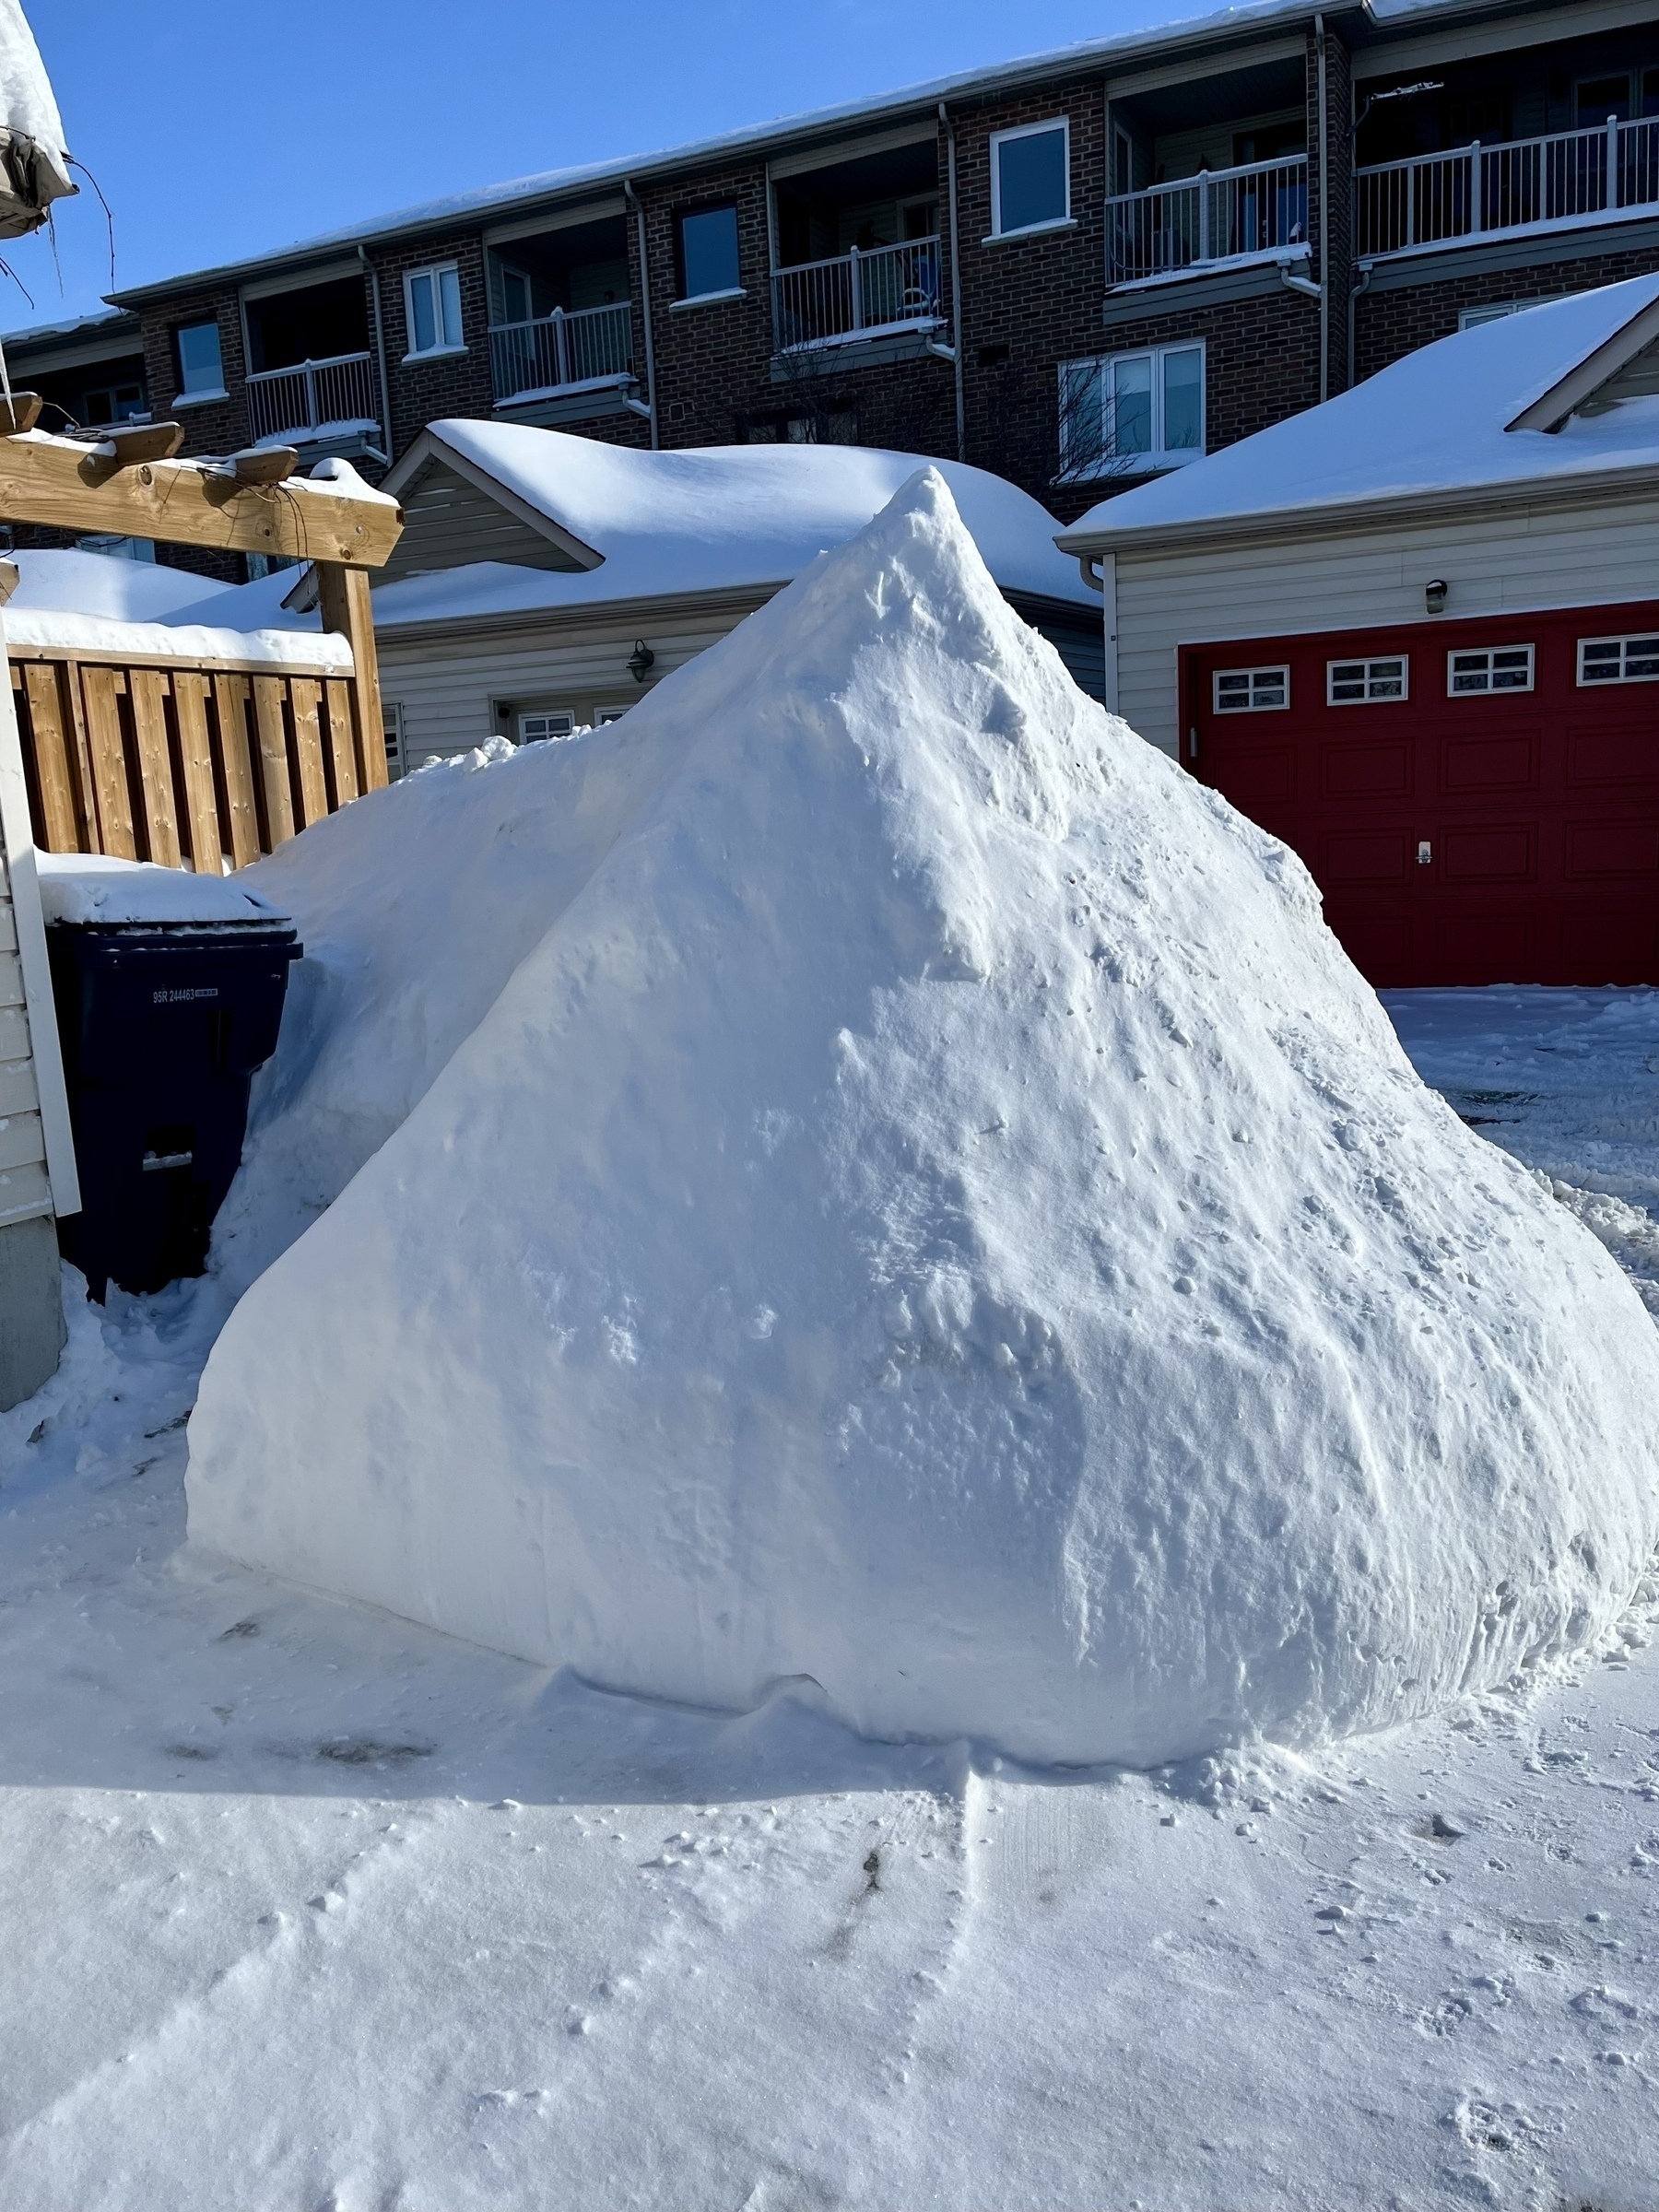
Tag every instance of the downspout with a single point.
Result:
(1324, 219)
(955, 281)
(379, 352)
(651, 398)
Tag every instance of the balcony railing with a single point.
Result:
(1481, 190)
(857, 295)
(556, 351)
(314, 397)
(1219, 214)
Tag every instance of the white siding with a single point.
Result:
(1511, 561)
(445, 688)
(23, 1185)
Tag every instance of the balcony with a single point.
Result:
(1219, 217)
(332, 403)
(882, 292)
(1530, 184)
(562, 355)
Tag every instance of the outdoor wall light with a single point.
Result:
(639, 659)
(1434, 595)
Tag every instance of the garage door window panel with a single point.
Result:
(1367, 683)
(1251, 690)
(1486, 669)
(1618, 660)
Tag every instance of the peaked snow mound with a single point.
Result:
(936, 1212)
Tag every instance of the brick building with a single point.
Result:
(1076, 270)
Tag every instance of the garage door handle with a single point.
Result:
(1192, 744)
(1425, 852)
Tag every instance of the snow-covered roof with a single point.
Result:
(1435, 422)
(102, 583)
(1092, 55)
(707, 518)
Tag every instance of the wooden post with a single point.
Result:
(54, 774)
(147, 688)
(274, 759)
(342, 748)
(230, 696)
(343, 601)
(103, 686)
(195, 750)
(305, 696)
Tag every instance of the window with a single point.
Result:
(1132, 411)
(1599, 97)
(1251, 690)
(1471, 318)
(119, 549)
(1031, 176)
(1360, 683)
(432, 310)
(708, 244)
(200, 370)
(535, 728)
(110, 404)
(1490, 668)
(1618, 660)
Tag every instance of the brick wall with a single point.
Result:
(454, 384)
(1388, 324)
(1028, 305)
(1260, 363)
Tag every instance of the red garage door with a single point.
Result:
(1477, 800)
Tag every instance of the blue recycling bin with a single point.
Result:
(162, 1024)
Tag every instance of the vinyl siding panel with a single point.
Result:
(1560, 558)
(24, 1190)
(449, 522)
(445, 688)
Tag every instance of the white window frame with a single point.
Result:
(1369, 662)
(541, 716)
(1250, 703)
(1030, 129)
(1491, 688)
(1159, 457)
(434, 271)
(1598, 683)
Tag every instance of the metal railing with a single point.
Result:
(555, 350)
(1219, 214)
(314, 395)
(857, 293)
(1481, 189)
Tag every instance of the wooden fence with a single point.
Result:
(200, 764)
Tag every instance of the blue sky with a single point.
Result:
(219, 130)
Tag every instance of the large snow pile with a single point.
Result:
(937, 1213)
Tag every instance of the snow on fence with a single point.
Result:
(1482, 188)
(201, 765)
(1218, 214)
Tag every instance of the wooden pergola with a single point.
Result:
(174, 758)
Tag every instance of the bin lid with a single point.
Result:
(90, 887)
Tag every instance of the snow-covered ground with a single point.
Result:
(304, 1906)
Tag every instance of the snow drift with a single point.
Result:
(936, 1212)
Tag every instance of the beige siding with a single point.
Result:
(445, 688)
(23, 1185)
(448, 521)
(1511, 561)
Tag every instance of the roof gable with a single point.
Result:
(456, 513)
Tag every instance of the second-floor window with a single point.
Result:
(1031, 176)
(708, 254)
(1131, 412)
(201, 370)
(432, 303)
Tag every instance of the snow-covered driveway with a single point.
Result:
(301, 1906)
